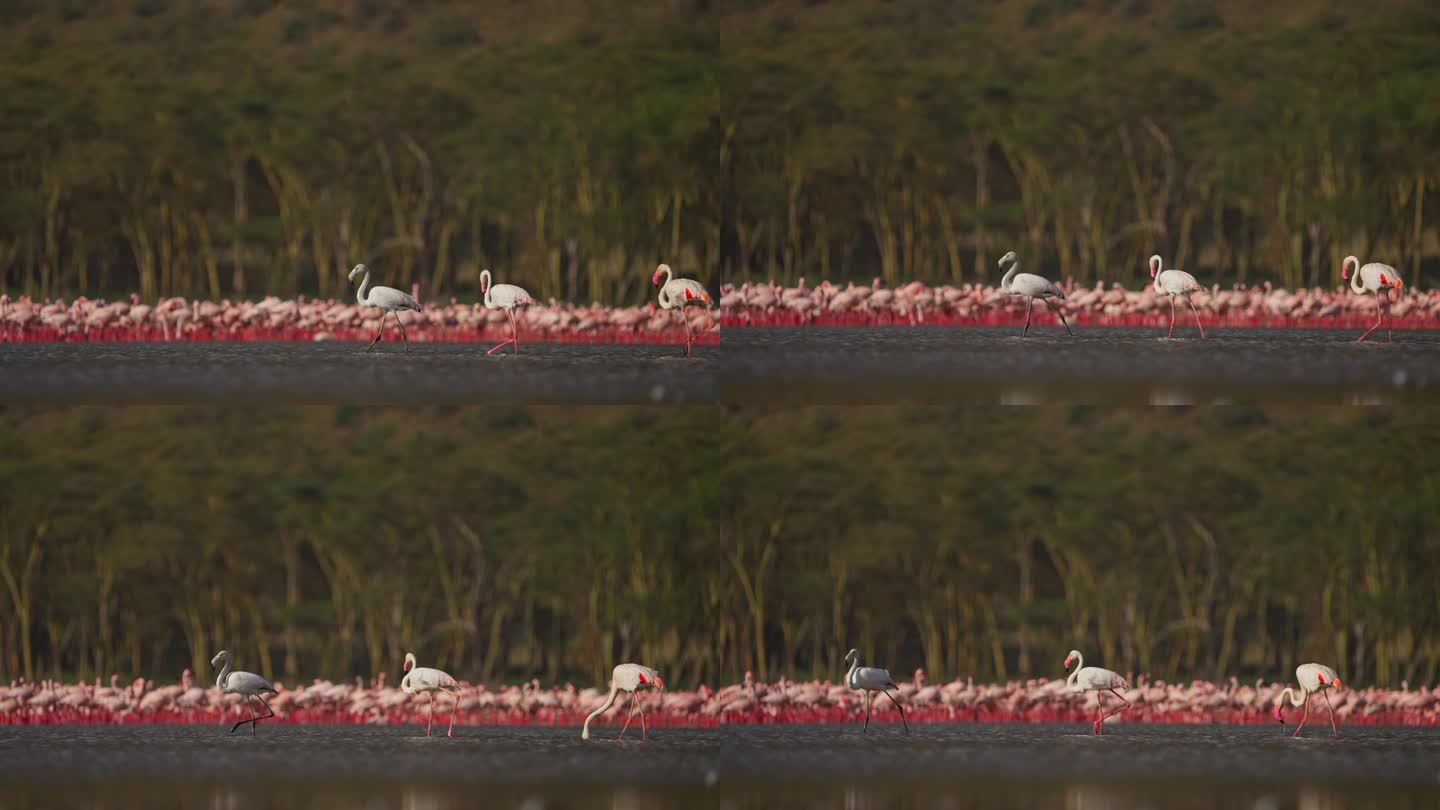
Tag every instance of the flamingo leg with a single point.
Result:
(251, 707)
(1099, 715)
(402, 332)
(514, 331)
(902, 712)
(1117, 711)
(430, 718)
(1171, 333)
(378, 333)
(1060, 312)
(628, 717)
(1303, 717)
(685, 322)
(453, 710)
(1334, 732)
(269, 713)
(1028, 310)
(1379, 319)
(1197, 315)
(867, 714)
(1389, 331)
(644, 733)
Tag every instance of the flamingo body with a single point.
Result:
(1097, 680)
(506, 297)
(1033, 287)
(1175, 284)
(1373, 278)
(679, 293)
(870, 680)
(1312, 678)
(389, 299)
(247, 684)
(424, 680)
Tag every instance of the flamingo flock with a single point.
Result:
(749, 701)
(507, 314)
(1112, 305)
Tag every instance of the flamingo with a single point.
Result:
(425, 679)
(1174, 283)
(1097, 680)
(506, 297)
(242, 683)
(870, 680)
(1031, 286)
(1372, 278)
(1313, 678)
(386, 298)
(628, 678)
(678, 293)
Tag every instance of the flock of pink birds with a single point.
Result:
(273, 319)
(785, 701)
(916, 303)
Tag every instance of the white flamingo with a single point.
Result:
(420, 680)
(1313, 678)
(1175, 283)
(871, 680)
(1032, 287)
(1373, 278)
(242, 683)
(387, 298)
(1097, 680)
(627, 678)
(507, 297)
(679, 293)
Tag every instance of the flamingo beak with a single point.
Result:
(1399, 284)
(1067, 663)
(1280, 718)
(1335, 684)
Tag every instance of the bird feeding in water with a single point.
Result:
(1097, 680)
(627, 678)
(871, 680)
(1175, 283)
(420, 680)
(679, 293)
(242, 683)
(388, 299)
(1313, 678)
(507, 297)
(1032, 287)
(1373, 278)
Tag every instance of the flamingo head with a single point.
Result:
(852, 655)
(659, 274)
(1345, 267)
(1280, 718)
(657, 682)
(409, 662)
(220, 656)
(355, 271)
(1154, 266)
(1070, 659)
(1008, 258)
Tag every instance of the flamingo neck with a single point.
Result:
(850, 676)
(1079, 665)
(1157, 266)
(224, 674)
(1295, 700)
(609, 701)
(485, 285)
(664, 295)
(1356, 284)
(364, 284)
(1010, 275)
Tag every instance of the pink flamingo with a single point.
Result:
(1313, 678)
(1097, 680)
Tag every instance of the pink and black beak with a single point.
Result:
(655, 279)
(1279, 717)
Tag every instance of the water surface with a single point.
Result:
(345, 372)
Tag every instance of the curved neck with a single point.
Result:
(850, 676)
(1157, 266)
(364, 283)
(610, 701)
(224, 673)
(485, 285)
(1079, 665)
(1010, 275)
(668, 276)
(1355, 284)
(1295, 700)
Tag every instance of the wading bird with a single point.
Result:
(1032, 287)
(679, 293)
(419, 680)
(507, 297)
(1097, 680)
(870, 680)
(1373, 278)
(1175, 283)
(627, 678)
(386, 298)
(242, 683)
(1313, 678)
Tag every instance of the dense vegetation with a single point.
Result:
(555, 542)
(217, 147)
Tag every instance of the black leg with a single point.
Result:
(902, 712)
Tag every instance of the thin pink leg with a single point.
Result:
(1099, 715)
(1334, 732)
(685, 322)
(628, 718)
(1171, 333)
(1028, 310)
(453, 710)
(644, 734)
(431, 719)
(514, 331)
(1197, 315)
(378, 332)
(1389, 331)
(1305, 716)
(1379, 319)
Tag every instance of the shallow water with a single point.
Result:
(734, 767)
(998, 365)
(345, 372)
